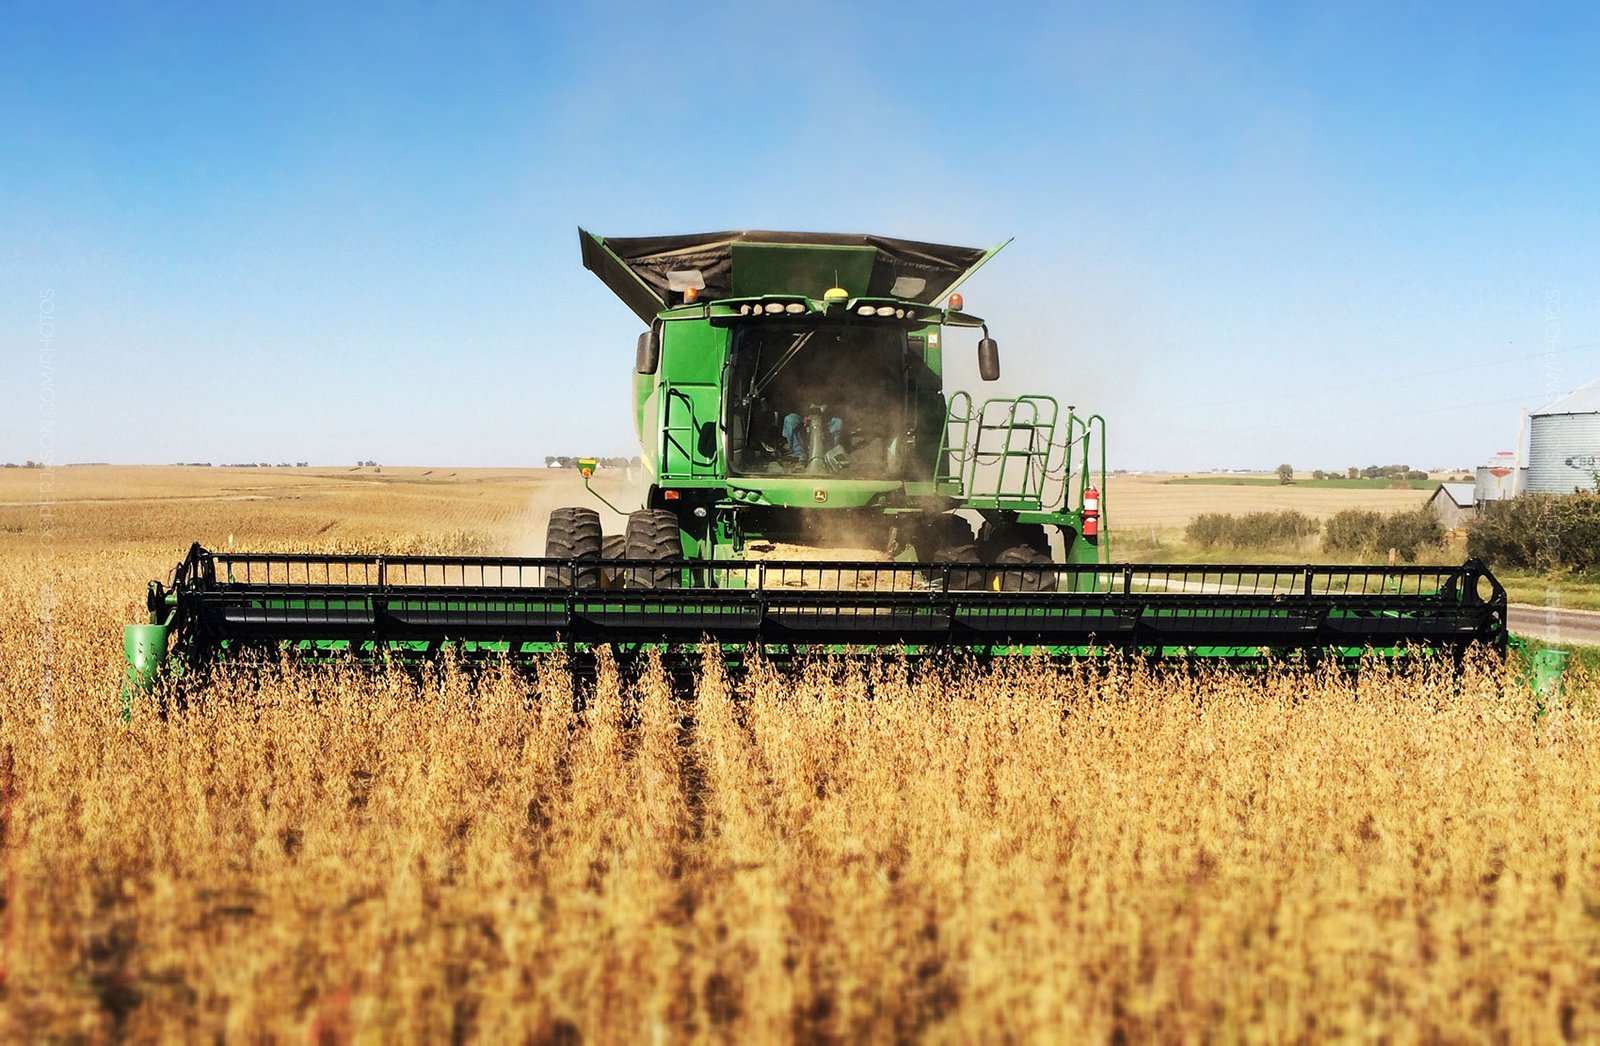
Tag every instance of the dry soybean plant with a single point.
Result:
(852, 849)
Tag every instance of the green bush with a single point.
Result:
(1362, 532)
(1548, 532)
(1352, 531)
(1410, 532)
(1282, 531)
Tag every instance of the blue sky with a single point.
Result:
(1333, 236)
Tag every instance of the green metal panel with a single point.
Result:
(145, 648)
(646, 409)
(808, 269)
(690, 435)
(810, 491)
(1548, 666)
(692, 351)
(617, 274)
(925, 342)
(974, 267)
(689, 400)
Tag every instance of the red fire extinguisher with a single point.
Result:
(1091, 514)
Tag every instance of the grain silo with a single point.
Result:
(1499, 478)
(1564, 443)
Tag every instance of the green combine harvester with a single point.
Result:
(789, 396)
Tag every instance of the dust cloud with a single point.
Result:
(624, 488)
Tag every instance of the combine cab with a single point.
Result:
(790, 392)
(789, 395)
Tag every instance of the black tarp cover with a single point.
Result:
(636, 268)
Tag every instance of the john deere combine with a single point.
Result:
(789, 395)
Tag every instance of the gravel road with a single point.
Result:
(1555, 625)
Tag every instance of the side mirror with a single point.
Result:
(647, 357)
(988, 359)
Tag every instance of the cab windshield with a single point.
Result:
(839, 398)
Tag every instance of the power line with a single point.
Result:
(1378, 383)
(1345, 419)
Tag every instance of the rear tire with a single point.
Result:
(1022, 568)
(943, 533)
(574, 533)
(966, 575)
(996, 538)
(945, 538)
(653, 534)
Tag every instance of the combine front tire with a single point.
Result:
(612, 546)
(574, 533)
(653, 534)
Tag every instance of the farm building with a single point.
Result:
(1453, 504)
(1564, 443)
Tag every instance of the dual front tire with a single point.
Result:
(653, 534)
(574, 534)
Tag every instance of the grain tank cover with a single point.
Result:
(651, 273)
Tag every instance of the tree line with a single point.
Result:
(566, 461)
(1286, 473)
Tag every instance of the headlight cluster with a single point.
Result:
(793, 307)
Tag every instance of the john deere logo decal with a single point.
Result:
(819, 495)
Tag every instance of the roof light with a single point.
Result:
(956, 302)
(867, 310)
(691, 294)
(794, 308)
(774, 306)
